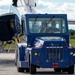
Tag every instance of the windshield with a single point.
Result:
(47, 25)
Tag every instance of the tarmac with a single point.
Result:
(7, 66)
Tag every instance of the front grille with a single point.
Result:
(54, 53)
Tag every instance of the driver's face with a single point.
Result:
(53, 24)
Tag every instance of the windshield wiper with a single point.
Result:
(51, 19)
(35, 20)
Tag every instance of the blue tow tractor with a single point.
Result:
(46, 44)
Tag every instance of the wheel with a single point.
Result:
(32, 69)
(71, 69)
(15, 63)
(16, 57)
(27, 69)
(20, 69)
(57, 69)
(64, 69)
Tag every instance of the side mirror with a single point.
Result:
(72, 33)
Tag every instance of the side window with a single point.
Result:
(23, 27)
(63, 26)
(24, 37)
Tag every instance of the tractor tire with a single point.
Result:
(71, 69)
(20, 69)
(32, 69)
(64, 69)
(27, 69)
(57, 70)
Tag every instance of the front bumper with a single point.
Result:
(42, 60)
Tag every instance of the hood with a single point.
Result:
(39, 42)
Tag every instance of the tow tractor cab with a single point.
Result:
(45, 47)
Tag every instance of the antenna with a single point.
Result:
(15, 3)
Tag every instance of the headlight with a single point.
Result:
(36, 53)
(71, 53)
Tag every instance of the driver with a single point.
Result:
(52, 28)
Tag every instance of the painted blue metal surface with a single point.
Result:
(22, 53)
(34, 35)
(24, 64)
(63, 63)
(42, 60)
(72, 58)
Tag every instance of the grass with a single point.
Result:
(12, 46)
(72, 42)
